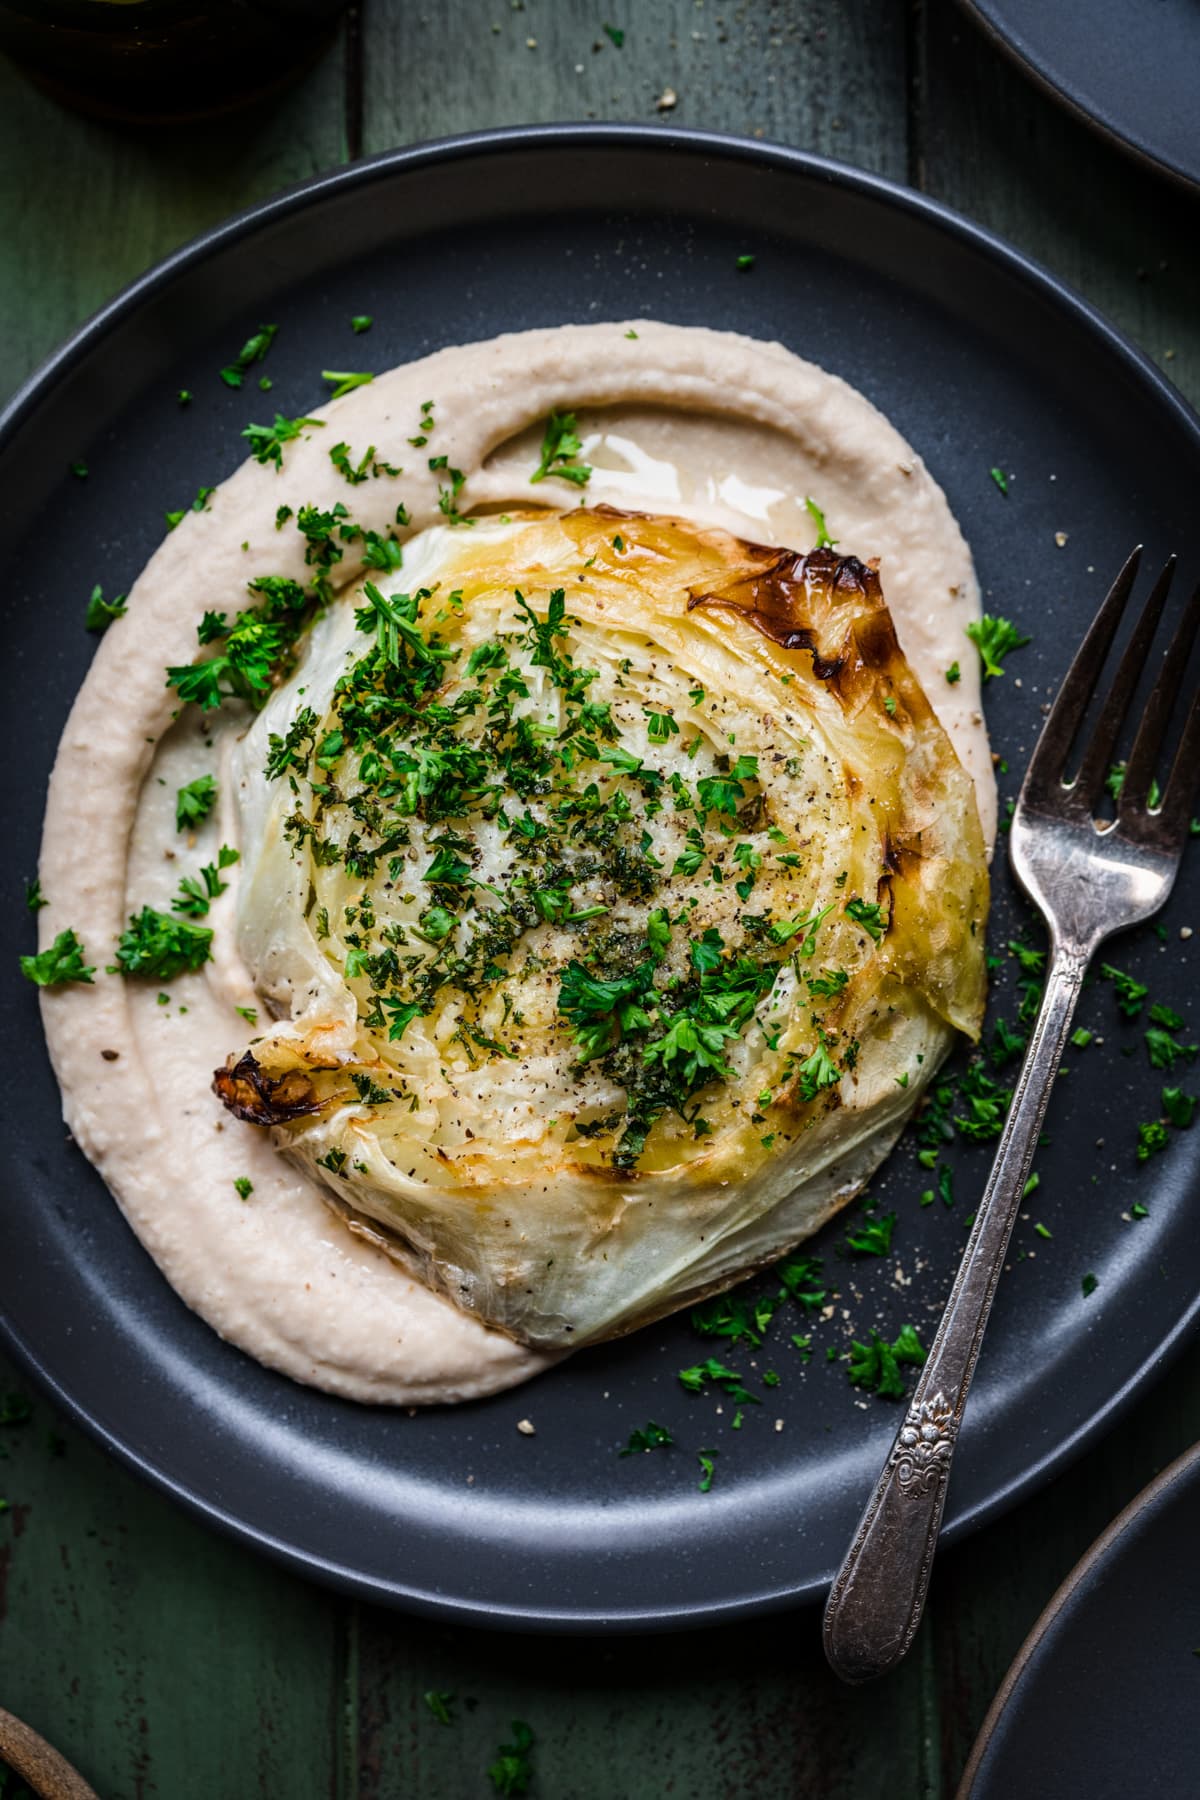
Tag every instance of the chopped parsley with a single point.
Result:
(651, 1437)
(874, 1236)
(194, 802)
(953, 674)
(344, 381)
(994, 638)
(199, 504)
(745, 262)
(1152, 1138)
(1000, 479)
(195, 897)
(358, 472)
(251, 352)
(868, 914)
(266, 441)
(615, 36)
(1163, 1049)
(34, 897)
(824, 541)
(512, 1770)
(1178, 1108)
(1088, 1285)
(707, 1460)
(156, 947)
(60, 962)
(561, 444)
(361, 322)
(711, 1373)
(250, 649)
(876, 1365)
(243, 1186)
(1130, 994)
(101, 612)
(439, 1701)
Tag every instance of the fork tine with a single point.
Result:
(1045, 772)
(1088, 784)
(1148, 742)
(1182, 784)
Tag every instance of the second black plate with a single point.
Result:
(982, 362)
(1100, 1703)
(1128, 70)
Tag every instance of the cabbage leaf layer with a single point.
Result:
(615, 894)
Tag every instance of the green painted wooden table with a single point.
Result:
(167, 1662)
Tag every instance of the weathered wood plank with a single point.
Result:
(993, 145)
(88, 206)
(156, 1655)
(827, 75)
(741, 1711)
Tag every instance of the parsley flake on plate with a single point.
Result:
(994, 638)
(874, 1237)
(361, 322)
(648, 1437)
(101, 612)
(876, 1365)
(1178, 1107)
(252, 351)
(344, 381)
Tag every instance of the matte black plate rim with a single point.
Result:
(1077, 106)
(1107, 1547)
(648, 140)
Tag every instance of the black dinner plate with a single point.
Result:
(983, 361)
(1100, 1703)
(1130, 70)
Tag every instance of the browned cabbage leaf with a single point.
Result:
(615, 909)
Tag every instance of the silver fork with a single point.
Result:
(1089, 879)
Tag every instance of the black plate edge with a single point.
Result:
(1077, 107)
(1089, 1563)
(570, 136)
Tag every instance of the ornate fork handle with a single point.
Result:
(876, 1601)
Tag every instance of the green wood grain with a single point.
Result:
(745, 1710)
(87, 206)
(160, 1658)
(990, 143)
(828, 75)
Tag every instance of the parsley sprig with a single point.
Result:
(561, 444)
(60, 962)
(994, 638)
